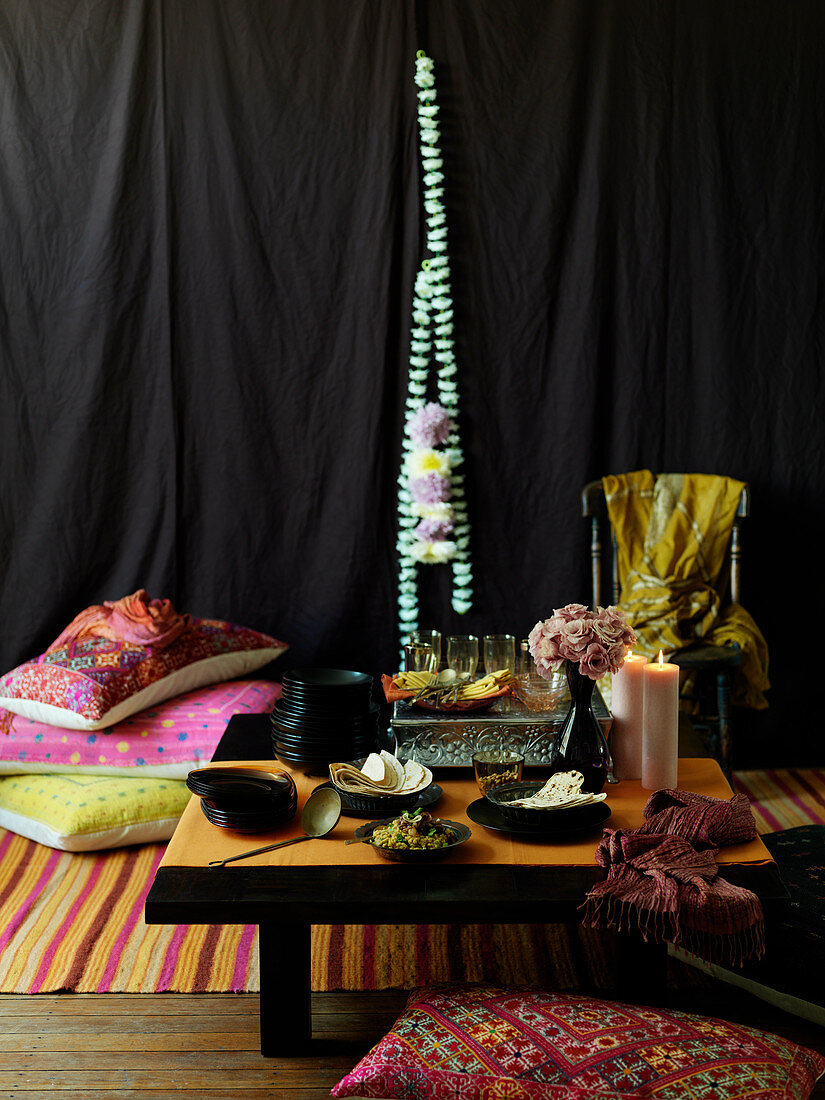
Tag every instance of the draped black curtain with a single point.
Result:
(210, 223)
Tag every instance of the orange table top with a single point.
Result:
(196, 841)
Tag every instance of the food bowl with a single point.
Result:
(460, 833)
(390, 804)
(384, 805)
(502, 797)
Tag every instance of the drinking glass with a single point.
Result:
(462, 655)
(428, 637)
(499, 652)
(497, 768)
(420, 657)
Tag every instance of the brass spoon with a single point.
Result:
(319, 816)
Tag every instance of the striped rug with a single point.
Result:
(784, 798)
(75, 922)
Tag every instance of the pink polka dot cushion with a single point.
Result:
(165, 741)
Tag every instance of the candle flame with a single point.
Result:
(661, 659)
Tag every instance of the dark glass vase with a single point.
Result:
(580, 745)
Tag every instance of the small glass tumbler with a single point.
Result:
(499, 652)
(497, 768)
(428, 637)
(420, 657)
(462, 655)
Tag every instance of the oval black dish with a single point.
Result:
(542, 817)
(485, 812)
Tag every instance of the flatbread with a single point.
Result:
(381, 774)
(561, 791)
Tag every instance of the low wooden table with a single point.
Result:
(493, 878)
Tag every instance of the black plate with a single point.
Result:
(322, 679)
(247, 823)
(416, 855)
(308, 763)
(425, 798)
(245, 785)
(335, 728)
(486, 813)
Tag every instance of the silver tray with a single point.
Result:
(448, 740)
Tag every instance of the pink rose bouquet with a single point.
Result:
(595, 640)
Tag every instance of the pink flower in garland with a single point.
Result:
(430, 426)
(433, 530)
(430, 489)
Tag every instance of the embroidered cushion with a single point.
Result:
(485, 1043)
(95, 682)
(165, 741)
(81, 813)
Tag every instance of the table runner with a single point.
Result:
(196, 842)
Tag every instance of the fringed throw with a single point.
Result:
(663, 880)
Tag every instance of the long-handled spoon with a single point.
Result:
(319, 816)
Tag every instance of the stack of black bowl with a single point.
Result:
(324, 715)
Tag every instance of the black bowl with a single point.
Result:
(416, 855)
(381, 805)
(501, 797)
(355, 806)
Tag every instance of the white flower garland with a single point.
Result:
(433, 523)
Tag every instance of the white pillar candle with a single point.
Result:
(627, 707)
(660, 735)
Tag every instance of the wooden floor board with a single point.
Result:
(190, 1046)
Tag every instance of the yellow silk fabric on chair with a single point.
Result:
(672, 535)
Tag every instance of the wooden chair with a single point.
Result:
(712, 666)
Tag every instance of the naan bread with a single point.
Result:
(381, 774)
(561, 791)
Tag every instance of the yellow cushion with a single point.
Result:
(80, 813)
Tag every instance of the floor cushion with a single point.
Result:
(489, 1043)
(165, 741)
(82, 813)
(93, 683)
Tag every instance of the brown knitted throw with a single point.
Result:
(663, 880)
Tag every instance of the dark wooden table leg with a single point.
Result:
(641, 970)
(286, 1006)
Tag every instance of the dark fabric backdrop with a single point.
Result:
(210, 224)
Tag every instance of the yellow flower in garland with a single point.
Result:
(433, 553)
(427, 460)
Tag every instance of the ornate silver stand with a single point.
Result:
(443, 739)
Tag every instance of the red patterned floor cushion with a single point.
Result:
(486, 1043)
(94, 682)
